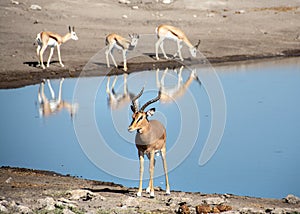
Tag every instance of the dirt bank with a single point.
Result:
(230, 31)
(34, 191)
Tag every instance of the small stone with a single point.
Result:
(214, 201)
(125, 16)
(3, 209)
(223, 208)
(24, 209)
(78, 194)
(240, 12)
(15, 2)
(124, 2)
(131, 202)
(210, 15)
(35, 7)
(292, 199)
(195, 16)
(8, 180)
(204, 208)
(167, 1)
(135, 7)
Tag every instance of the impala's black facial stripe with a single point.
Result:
(140, 118)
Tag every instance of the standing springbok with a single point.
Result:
(169, 95)
(47, 106)
(169, 32)
(45, 39)
(150, 139)
(113, 40)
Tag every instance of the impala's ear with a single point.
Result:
(150, 112)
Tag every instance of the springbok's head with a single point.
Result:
(72, 32)
(134, 39)
(193, 50)
(140, 116)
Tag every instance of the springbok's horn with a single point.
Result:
(197, 45)
(151, 101)
(134, 104)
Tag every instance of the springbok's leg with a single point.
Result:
(109, 51)
(125, 89)
(160, 44)
(141, 156)
(60, 90)
(163, 50)
(51, 89)
(59, 57)
(125, 63)
(107, 84)
(50, 55)
(163, 156)
(41, 55)
(179, 46)
(38, 49)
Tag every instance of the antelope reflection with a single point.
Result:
(54, 105)
(118, 100)
(170, 94)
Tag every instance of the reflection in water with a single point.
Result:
(54, 105)
(170, 94)
(118, 100)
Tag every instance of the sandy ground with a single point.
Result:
(230, 30)
(33, 191)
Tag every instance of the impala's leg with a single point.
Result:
(50, 55)
(38, 49)
(141, 156)
(124, 58)
(41, 55)
(150, 188)
(163, 156)
(59, 57)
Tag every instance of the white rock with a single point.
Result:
(292, 199)
(125, 16)
(167, 1)
(24, 209)
(124, 1)
(80, 194)
(3, 209)
(131, 202)
(135, 7)
(35, 7)
(47, 203)
(15, 2)
(8, 180)
(214, 201)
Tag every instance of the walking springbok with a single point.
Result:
(48, 107)
(150, 139)
(45, 39)
(169, 95)
(113, 40)
(169, 32)
(118, 100)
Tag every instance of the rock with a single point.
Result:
(8, 180)
(223, 208)
(67, 211)
(183, 208)
(35, 7)
(167, 1)
(124, 2)
(291, 199)
(240, 12)
(3, 209)
(125, 16)
(47, 203)
(23, 209)
(131, 202)
(214, 201)
(249, 210)
(15, 2)
(80, 194)
(135, 7)
(204, 208)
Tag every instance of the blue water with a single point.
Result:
(258, 155)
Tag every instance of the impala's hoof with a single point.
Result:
(152, 195)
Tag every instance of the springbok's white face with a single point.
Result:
(134, 39)
(72, 32)
(193, 51)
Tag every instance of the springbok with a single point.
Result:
(150, 139)
(169, 95)
(45, 39)
(118, 100)
(47, 106)
(113, 40)
(169, 32)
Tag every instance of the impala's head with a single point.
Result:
(72, 32)
(193, 50)
(140, 117)
(134, 39)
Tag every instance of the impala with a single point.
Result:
(169, 94)
(47, 106)
(169, 32)
(45, 39)
(150, 139)
(115, 41)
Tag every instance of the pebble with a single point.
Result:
(213, 201)
(3, 209)
(15, 2)
(78, 194)
(291, 199)
(35, 7)
(125, 16)
(135, 7)
(167, 1)
(124, 2)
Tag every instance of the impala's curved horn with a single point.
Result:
(197, 45)
(134, 106)
(151, 101)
